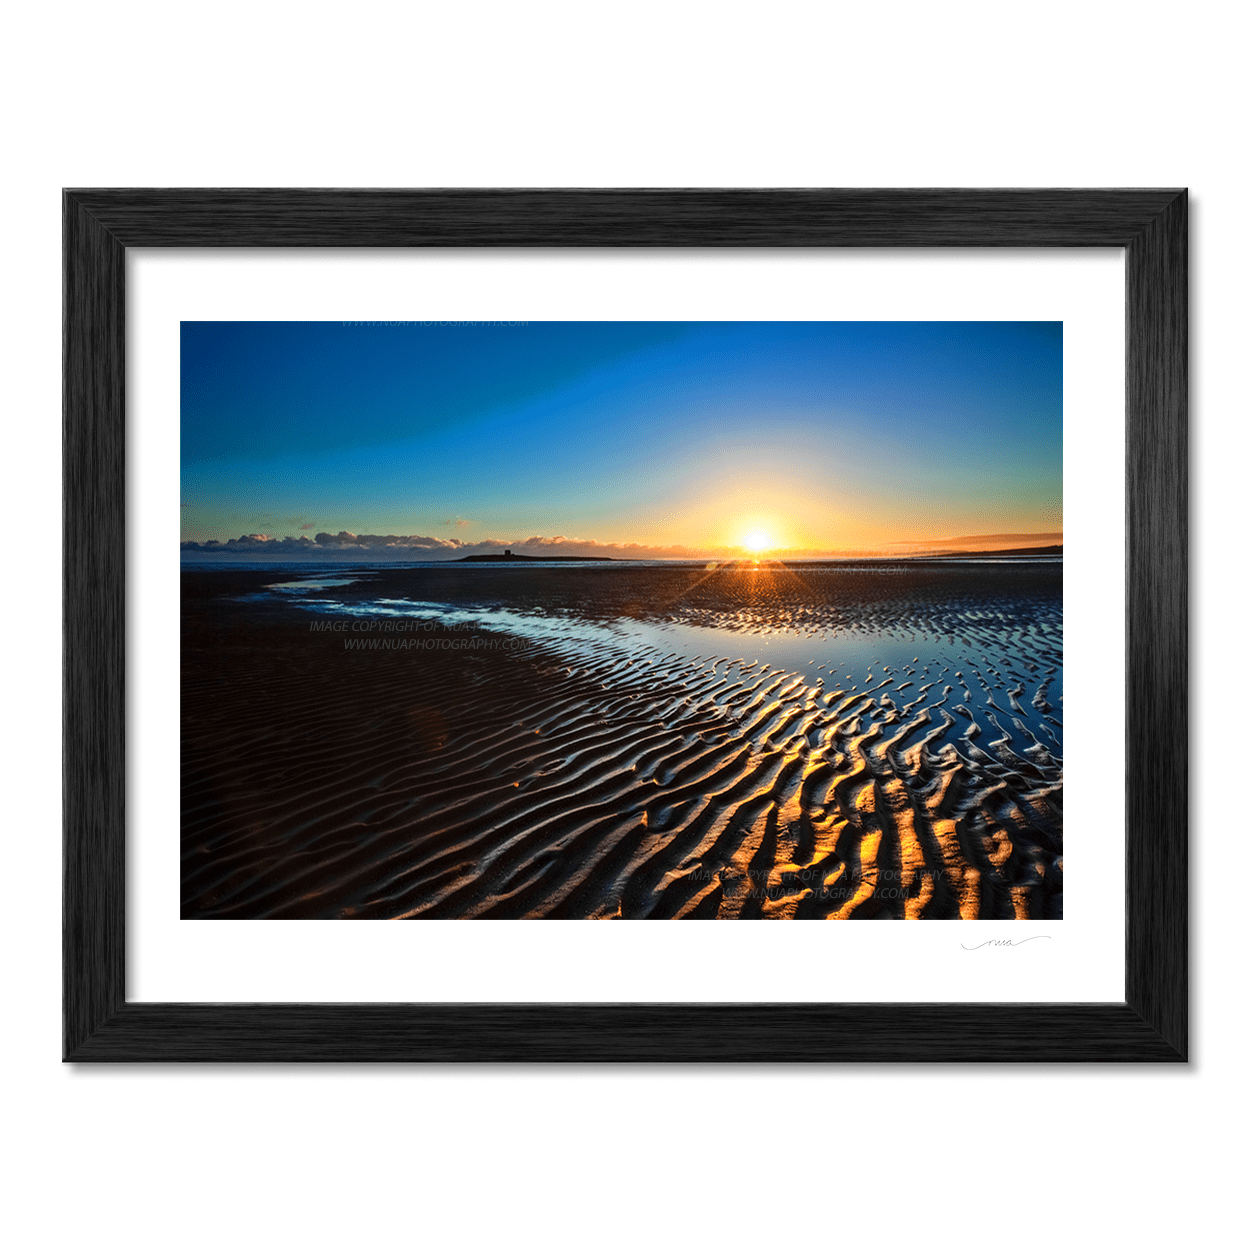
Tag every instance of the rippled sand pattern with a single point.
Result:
(582, 776)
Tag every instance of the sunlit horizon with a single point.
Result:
(800, 440)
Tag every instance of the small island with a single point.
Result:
(508, 558)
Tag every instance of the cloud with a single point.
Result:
(253, 542)
(307, 525)
(424, 546)
(346, 545)
(376, 546)
(345, 539)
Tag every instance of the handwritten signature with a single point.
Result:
(1006, 942)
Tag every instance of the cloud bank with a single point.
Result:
(420, 547)
(345, 544)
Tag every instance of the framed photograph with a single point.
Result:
(619, 555)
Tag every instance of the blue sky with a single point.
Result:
(700, 439)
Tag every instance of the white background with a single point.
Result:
(1080, 94)
(1080, 960)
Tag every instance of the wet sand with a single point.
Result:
(842, 742)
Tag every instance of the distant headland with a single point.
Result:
(509, 558)
(1055, 550)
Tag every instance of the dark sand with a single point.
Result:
(533, 757)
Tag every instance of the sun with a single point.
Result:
(757, 541)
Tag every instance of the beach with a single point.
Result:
(841, 740)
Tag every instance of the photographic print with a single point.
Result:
(622, 620)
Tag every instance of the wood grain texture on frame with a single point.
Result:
(98, 1023)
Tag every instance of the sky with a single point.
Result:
(415, 440)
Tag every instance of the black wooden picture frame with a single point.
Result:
(100, 1025)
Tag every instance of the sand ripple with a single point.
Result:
(583, 778)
